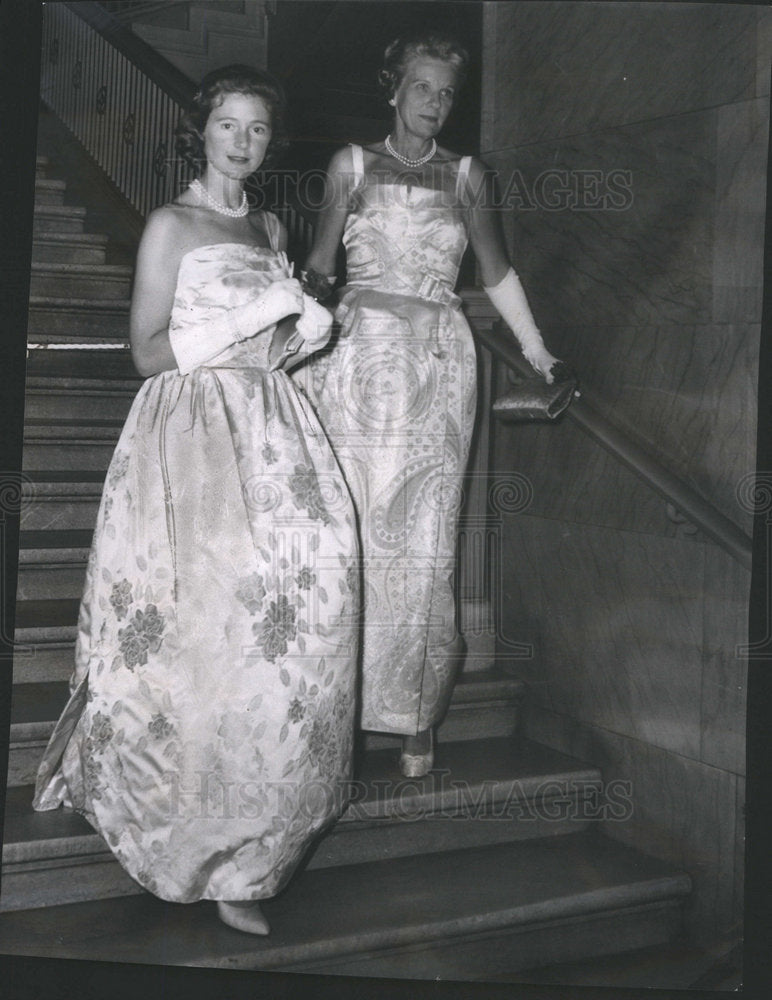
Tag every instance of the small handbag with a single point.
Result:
(533, 399)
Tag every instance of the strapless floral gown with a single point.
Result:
(209, 732)
(397, 397)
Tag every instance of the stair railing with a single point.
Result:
(133, 10)
(118, 97)
(686, 501)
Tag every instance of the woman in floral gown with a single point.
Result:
(208, 735)
(397, 394)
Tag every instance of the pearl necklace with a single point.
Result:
(406, 159)
(233, 213)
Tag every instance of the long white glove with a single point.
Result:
(194, 344)
(509, 298)
(311, 333)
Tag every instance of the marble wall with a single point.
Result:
(630, 142)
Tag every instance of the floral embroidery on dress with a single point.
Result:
(142, 635)
(251, 592)
(296, 711)
(269, 453)
(101, 731)
(121, 598)
(304, 486)
(160, 728)
(277, 628)
(92, 771)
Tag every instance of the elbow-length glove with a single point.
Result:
(509, 299)
(193, 344)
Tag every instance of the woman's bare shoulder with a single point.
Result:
(174, 214)
(342, 161)
(169, 232)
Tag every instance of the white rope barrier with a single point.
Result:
(77, 347)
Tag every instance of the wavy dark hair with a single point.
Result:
(433, 43)
(234, 79)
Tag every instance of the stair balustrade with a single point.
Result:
(118, 97)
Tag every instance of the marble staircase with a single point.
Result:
(494, 862)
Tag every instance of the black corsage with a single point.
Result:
(317, 285)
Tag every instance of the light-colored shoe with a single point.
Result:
(243, 916)
(417, 757)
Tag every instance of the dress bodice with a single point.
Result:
(219, 276)
(404, 239)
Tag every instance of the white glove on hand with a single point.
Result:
(509, 299)
(311, 333)
(315, 324)
(282, 298)
(193, 344)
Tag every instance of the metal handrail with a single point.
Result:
(687, 501)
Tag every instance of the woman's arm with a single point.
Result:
(332, 217)
(160, 344)
(486, 233)
(155, 281)
(499, 280)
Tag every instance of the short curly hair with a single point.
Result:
(234, 79)
(433, 43)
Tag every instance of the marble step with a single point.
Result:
(58, 219)
(52, 564)
(41, 166)
(106, 365)
(60, 319)
(60, 499)
(472, 913)
(46, 629)
(66, 444)
(49, 192)
(102, 281)
(482, 792)
(72, 248)
(485, 704)
(78, 399)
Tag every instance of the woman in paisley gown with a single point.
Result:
(209, 732)
(397, 393)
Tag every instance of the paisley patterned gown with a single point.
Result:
(209, 731)
(397, 397)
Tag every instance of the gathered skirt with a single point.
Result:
(208, 736)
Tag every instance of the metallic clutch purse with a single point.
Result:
(533, 399)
